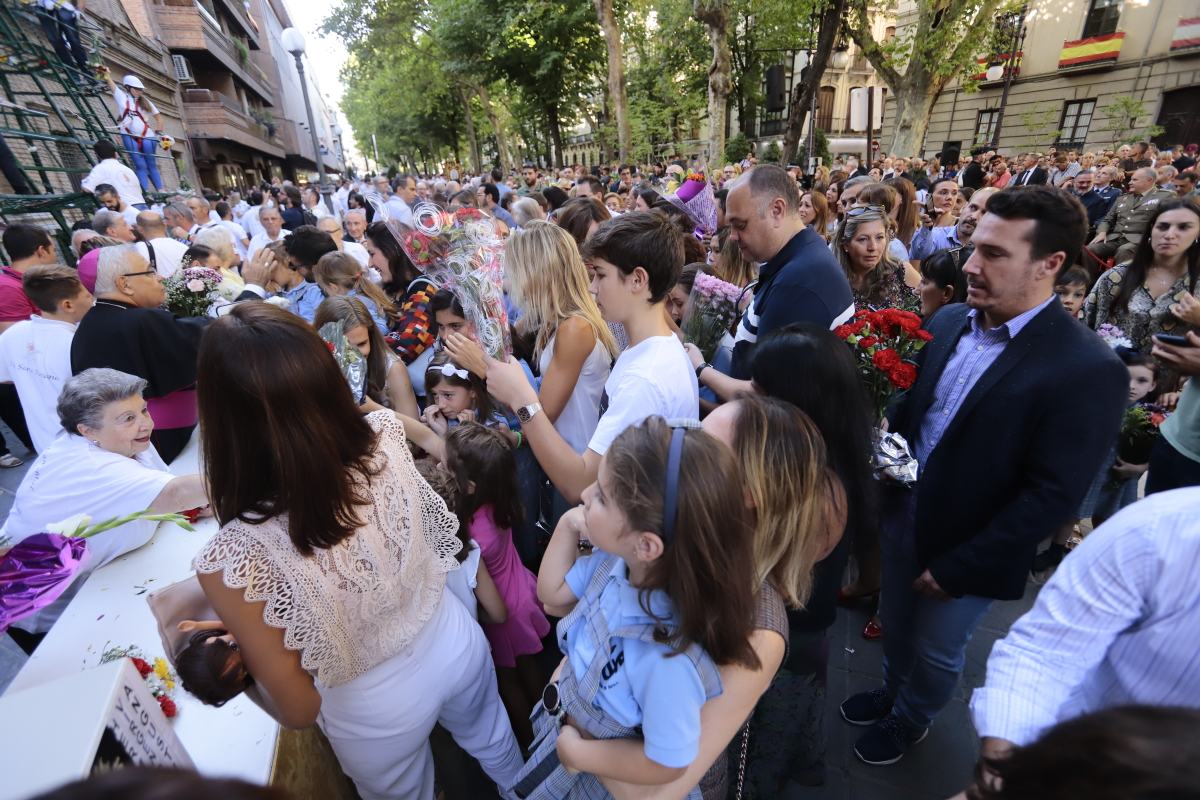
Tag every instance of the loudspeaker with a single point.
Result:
(776, 88)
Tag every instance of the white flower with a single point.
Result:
(281, 302)
(71, 526)
(196, 285)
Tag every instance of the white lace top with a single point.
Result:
(353, 606)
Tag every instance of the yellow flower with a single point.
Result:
(161, 669)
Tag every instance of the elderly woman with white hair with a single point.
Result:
(112, 224)
(103, 466)
(525, 210)
(128, 330)
(219, 240)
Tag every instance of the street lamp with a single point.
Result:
(1017, 25)
(293, 42)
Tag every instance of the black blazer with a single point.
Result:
(1039, 176)
(1018, 457)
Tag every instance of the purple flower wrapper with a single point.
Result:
(36, 572)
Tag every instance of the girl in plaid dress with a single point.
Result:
(666, 595)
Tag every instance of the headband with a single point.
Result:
(671, 479)
(450, 371)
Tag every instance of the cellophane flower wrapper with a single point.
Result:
(461, 252)
(893, 461)
(711, 311)
(348, 358)
(192, 291)
(36, 572)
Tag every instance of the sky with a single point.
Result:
(326, 55)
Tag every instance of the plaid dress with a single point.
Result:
(543, 777)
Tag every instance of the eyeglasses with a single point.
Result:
(143, 272)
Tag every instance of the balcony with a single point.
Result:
(212, 115)
(188, 28)
(1095, 52)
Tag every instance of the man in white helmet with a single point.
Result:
(140, 138)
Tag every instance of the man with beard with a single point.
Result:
(928, 239)
(529, 179)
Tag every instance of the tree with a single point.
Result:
(806, 90)
(945, 38)
(715, 16)
(736, 148)
(1041, 124)
(1122, 115)
(617, 98)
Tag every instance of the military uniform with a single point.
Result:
(1125, 224)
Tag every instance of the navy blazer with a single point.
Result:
(1018, 457)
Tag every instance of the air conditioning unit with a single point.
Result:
(183, 70)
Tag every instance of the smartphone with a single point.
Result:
(1178, 341)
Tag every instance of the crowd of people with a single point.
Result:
(605, 561)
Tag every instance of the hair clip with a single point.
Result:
(450, 371)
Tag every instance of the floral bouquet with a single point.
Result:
(157, 674)
(711, 311)
(1114, 337)
(460, 252)
(39, 568)
(348, 357)
(192, 290)
(884, 343)
(1139, 432)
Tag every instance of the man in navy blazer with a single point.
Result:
(1014, 408)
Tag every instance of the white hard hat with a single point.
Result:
(134, 82)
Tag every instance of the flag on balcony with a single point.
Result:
(1187, 34)
(1093, 50)
(1003, 60)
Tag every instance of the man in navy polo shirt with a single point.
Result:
(800, 280)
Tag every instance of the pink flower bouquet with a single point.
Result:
(711, 311)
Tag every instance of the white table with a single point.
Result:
(110, 610)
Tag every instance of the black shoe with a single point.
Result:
(866, 708)
(887, 741)
(1049, 558)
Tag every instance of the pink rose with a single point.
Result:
(196, 285)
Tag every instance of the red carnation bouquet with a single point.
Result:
(884, 344)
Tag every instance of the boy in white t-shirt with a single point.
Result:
(35, 354)
(636, 260)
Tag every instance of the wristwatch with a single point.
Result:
(701, 368)
(526, 413)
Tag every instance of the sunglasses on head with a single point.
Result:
(858, 211)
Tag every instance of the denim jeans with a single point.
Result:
(924, 640)
(62, 29)
(144, 162)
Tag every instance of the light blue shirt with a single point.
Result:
(642, 684)
(1114, 626)
(303, 300)
(927, 241)
(372, 309)
(976, 350)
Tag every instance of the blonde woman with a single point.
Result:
(861, 247)
(340, 274)
(572, 344)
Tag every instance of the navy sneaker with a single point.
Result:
(866, 708)
(888, 741)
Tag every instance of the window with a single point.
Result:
(825, 108)
(1076, 120)
(1102, 18)
(985, 125)
(889, 33)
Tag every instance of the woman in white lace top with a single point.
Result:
(330, 565)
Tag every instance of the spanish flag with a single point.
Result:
(1094, 50)
(1187, 34)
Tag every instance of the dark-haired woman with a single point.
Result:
(942, 281)
(330, 565)
(1138, 297)
(411, 293)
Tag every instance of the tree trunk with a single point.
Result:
(912, 101)
(469, 122)
(714, 14)
(804, 92)
(555, 135)
(616, 75)
(501, 140)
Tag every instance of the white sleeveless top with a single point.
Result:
(357, 604)
(581, 414)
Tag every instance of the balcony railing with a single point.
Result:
(1095, 51)
(213, 115)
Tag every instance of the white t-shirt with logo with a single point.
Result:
(35, 355)
(652, 377)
